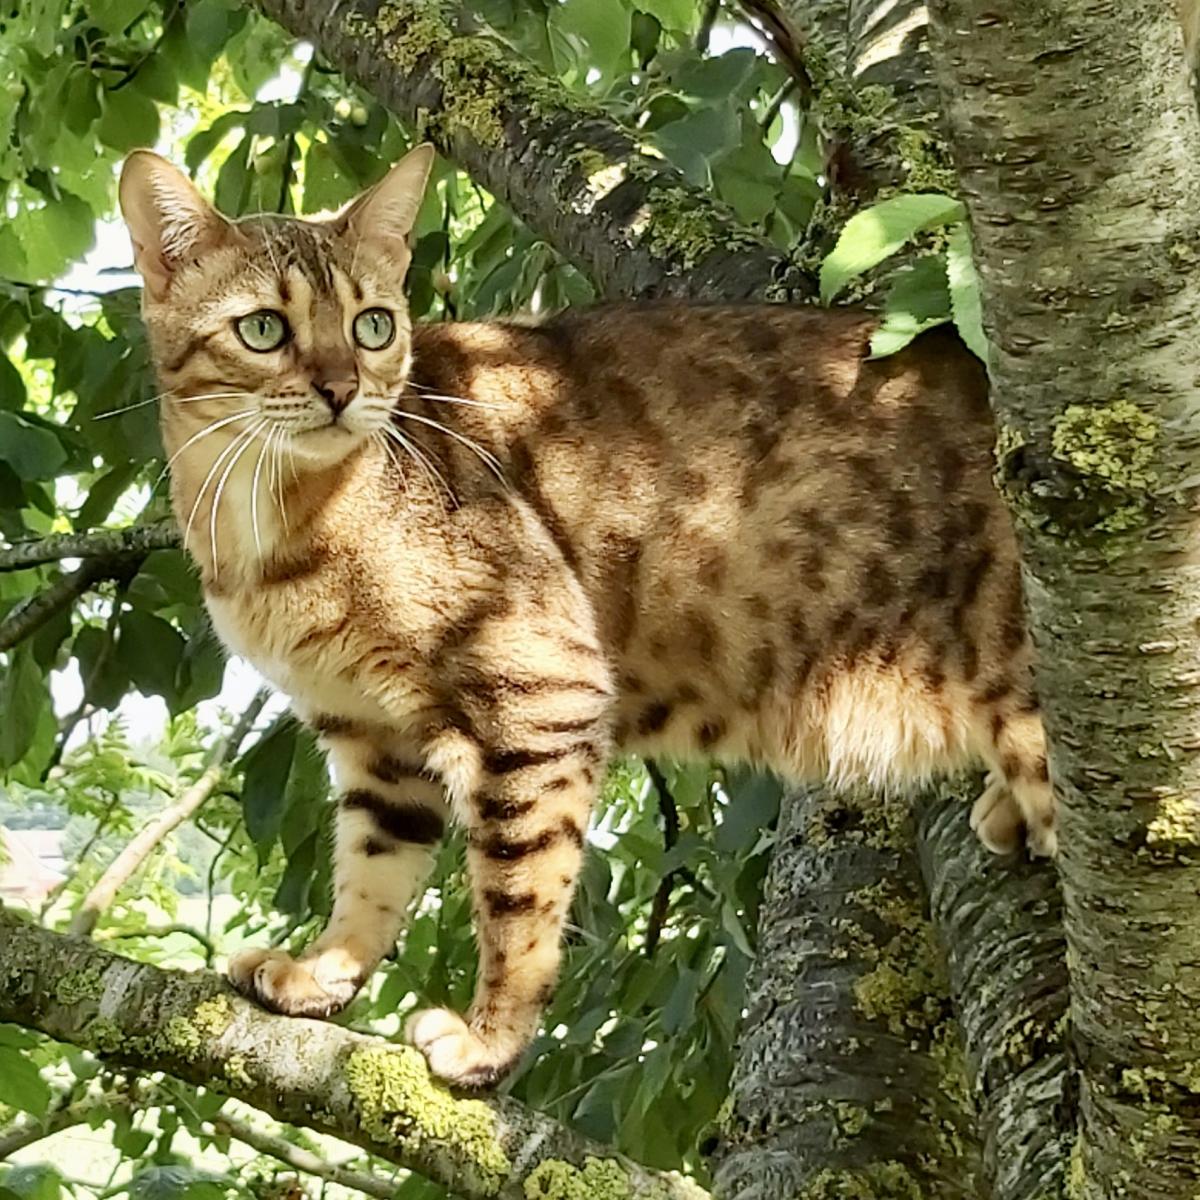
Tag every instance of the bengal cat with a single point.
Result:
(482, 558)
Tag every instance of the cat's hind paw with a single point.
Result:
(314, 987)
(455, 1052)
(1002, 823)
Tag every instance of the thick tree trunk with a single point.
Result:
(565, 168)
(850, 1079)
(1076, 139)
(364, 1090)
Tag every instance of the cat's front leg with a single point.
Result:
(390, 818)
(526, 814)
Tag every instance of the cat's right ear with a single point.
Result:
(169, 222)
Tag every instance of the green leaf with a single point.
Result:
(129, 119)
(679, 15)
(31, 451)
(266, 766)
(115, 16)
(23, 696)
(150, 649)
(175, 1181)
(22, 1086)
(105, 682)
(590, 33)
(964, 293)
(918, 300)
(879, 231)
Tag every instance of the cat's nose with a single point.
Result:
(337, 393)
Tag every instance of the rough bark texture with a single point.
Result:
(850, 1078)
(567, 170)
(366, 1091)
(1001, 923)
(135, 542)
(1076, 141)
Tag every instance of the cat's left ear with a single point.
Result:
(386, 214)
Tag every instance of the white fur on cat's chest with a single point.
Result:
(315, 682)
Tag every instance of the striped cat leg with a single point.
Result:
(390, 818)
(525, 830)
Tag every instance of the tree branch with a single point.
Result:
(140, 847)
(361, 1089)
(135, 542)
(302, 1159)
(1001, 924)
(574, 176)
(29, 616)
(848, 1078)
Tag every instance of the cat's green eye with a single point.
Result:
(374, 328)
(262, 331)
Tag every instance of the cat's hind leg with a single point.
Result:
(1018, 796)
(390, 818)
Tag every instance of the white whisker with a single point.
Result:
(212, 473)
(262, 454)
(212, 427)
(420, 456)
(485, 456)
(116, 412)
(430, 394)
(249, 436)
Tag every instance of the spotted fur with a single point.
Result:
(689, 531)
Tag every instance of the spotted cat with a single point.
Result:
(483, 558)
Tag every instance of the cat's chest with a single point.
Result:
(313, 647)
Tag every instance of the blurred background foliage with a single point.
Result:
(112, 705)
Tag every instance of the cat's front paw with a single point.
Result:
(314, 987)
(1002, 822)
(458, 1054)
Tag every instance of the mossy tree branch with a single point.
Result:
(361, 1089)
(573, 175)
(849, 1078)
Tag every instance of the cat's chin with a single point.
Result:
(326, 446)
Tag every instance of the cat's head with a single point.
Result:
(299, 325)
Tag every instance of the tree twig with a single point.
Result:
(30, 615)
(302, 1159)
(662, 898)
(364, 1090)
(133, 542)
(136, 852)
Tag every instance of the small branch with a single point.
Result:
(777, 103)
(26, 1133)
(29, 616)
(363, 1090)
(121, 869)
(707, 21)
(304, 1160)
(161, 931)
(134, 542)
(662, 898)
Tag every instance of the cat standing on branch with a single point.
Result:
(482, 558)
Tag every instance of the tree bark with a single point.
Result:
(361, 1089)
(565, 168)
(849, 1080)
(1001, 923)
(135, 542)
(1076, 140)
(140, 847)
